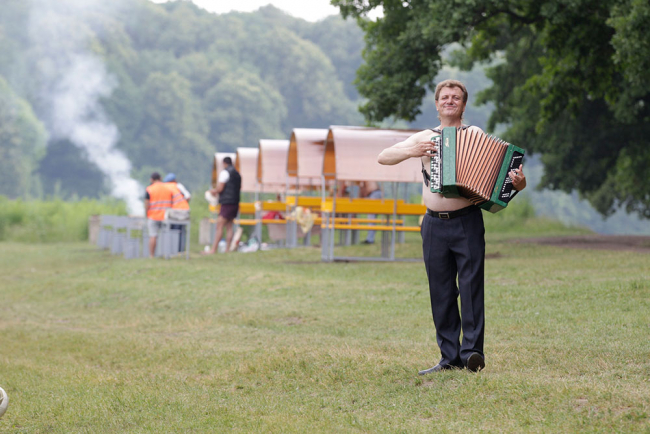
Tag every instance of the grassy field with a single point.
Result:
(279, 342)
(54, 220)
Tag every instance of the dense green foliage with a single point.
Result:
(569, 81)
(183, 83)
(22, 143)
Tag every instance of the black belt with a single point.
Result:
(453, 214)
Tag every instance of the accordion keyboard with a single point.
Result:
(436, 165)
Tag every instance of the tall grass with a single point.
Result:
(39, 221)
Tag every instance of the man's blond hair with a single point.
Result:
(451, 83)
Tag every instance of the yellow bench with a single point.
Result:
(252, 207)
(312, 202)
(387, 207)
(356, 227)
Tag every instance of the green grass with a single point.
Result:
(519, 220)
(277, 341)
(46, 221)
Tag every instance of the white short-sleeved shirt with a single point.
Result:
(184, 190)
(224, 176)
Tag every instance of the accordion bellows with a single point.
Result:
(474, 165)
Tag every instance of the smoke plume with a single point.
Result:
(74, 82)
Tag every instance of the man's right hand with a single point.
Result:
(416, 146)
(423, 149)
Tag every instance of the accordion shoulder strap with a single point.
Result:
(425, 175)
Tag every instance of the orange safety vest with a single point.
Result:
(178, 200)
(160, 198)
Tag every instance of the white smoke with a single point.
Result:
(74, 81)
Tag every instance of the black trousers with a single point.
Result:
(455, 249)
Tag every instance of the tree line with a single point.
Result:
(564, 79)
(185, 83)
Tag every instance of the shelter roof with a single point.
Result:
(272, 165)
(306, 152)
(246, 165)
(351, 155)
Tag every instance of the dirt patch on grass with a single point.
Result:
(633, 243)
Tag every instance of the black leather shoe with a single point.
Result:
(475, 362)
(367, 242)
(437, 368)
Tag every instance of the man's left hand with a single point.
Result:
(518, 178)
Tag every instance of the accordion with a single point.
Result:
(474, 165)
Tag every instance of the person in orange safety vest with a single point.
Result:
(178, 199)
(158, 198)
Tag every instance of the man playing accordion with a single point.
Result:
(453, 243)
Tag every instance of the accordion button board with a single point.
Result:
(474, 165)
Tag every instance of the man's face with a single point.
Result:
(450, 102)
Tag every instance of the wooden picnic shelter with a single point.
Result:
(351, 155)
